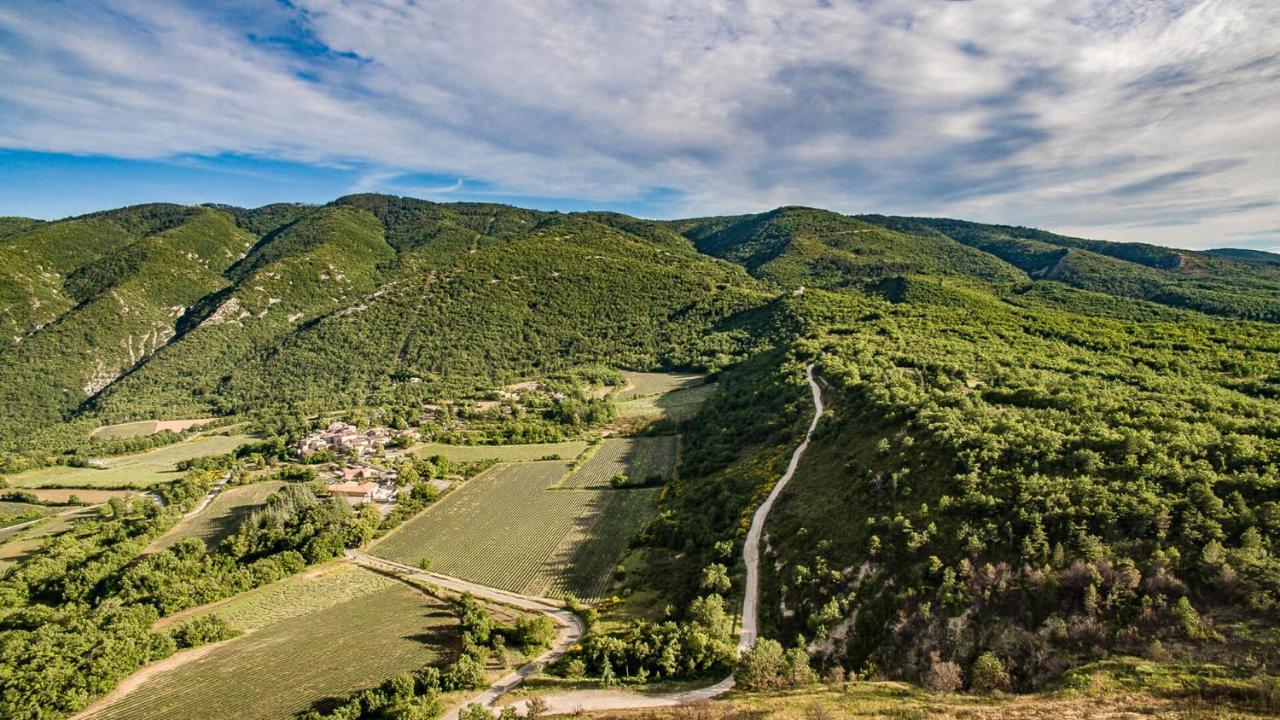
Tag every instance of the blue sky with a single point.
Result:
(1119, 119)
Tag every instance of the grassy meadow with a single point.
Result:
(141, 470)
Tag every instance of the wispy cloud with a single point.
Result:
(1127, 119)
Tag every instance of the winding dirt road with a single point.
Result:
(572, 627)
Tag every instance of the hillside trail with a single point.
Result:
(572, 626)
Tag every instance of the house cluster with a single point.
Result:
(346, 439)
(363, 483)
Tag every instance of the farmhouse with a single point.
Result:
(355, 492)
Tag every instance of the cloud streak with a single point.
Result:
(1127, 119)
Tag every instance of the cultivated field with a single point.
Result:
(285, 667)
(145, 427)
(18, 512)
(222, 517)
(58, 495)
(502, 453)
(510, 528)
(673, 405)
(584, 562)
(639, 458)
(640, 384)
(16, 544)
(320, 587)
(141, 470)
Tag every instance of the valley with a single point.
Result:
(388, 456)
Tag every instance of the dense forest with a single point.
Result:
(1039, 450)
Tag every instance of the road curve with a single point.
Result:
(573, 627)
(751, 548)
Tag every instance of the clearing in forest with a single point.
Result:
(145, 427)
(645, 384)
(287, 666)
(512, 528)
(141, 470)
(647, 460)
(674, 405)
(222, 517)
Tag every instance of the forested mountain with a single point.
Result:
(1041, 447)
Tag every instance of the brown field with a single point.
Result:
(91, 497)
(146, 427)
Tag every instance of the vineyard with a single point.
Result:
(287, 666)
(642, 459)
(584, 562)
(511, 528)
(221, 518)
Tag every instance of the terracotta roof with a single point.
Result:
(353, 488)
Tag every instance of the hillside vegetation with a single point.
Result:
(1040, 450)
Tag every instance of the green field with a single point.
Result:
(16, 544)
(642, 384)
(222, 517)
(639, 458)
(286, 666)
(509, 528)
(503, 453)
(320, 587)
(139, 470)
(676, 404)
(584, 562)
(12, 513)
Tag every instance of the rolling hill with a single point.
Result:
(1042, 449)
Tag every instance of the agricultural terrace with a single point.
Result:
(222, 517)
(503, 453)
(145, 427)
(673, 405)
(511, 528)
(641, 459)
(643, 384)
(286, 666)
(141, 470)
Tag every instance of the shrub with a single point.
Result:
(201, 630)
(942, 676)
(987, 674)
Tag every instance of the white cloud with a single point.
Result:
(1129, 120)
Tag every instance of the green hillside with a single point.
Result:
(1041, 448)
(1210, 282)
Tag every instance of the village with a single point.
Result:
(353, 472)
(357, 464)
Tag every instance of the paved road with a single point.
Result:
(573, 627)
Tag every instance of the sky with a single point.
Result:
(1131, 120)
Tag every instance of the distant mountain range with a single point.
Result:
(175, 310)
